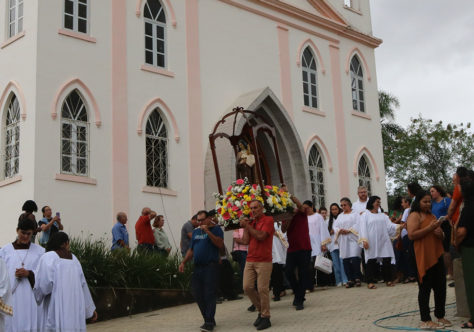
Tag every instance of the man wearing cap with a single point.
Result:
(206, 241)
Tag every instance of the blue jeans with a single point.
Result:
(338, 266)
(204, 285)
(352, 268)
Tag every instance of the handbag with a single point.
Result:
(323, 264)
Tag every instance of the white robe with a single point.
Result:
(5, 291)
(358, 206)
(62, 287)
(25, 310)
(279, 247)
(348, 243)
(318, 233)
(377, 229)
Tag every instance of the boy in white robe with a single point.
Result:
(346, 228)
(279, 247)
(21, 259)
(5, 295)
(62, 288)
(376, 229)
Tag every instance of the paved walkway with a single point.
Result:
(332, 309)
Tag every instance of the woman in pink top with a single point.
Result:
(239, 251)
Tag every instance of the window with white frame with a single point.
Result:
(12, 138)
(316, 176)
(15, 17)
(74, 136)
(156, 151)
(155, 33)
(364, 174)
(75, 15)
(310, 86)
(357, 85)
(348, 3)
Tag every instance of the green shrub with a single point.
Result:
(128, 269)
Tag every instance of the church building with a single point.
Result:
(107, 106)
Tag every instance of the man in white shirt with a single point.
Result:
(359, 206)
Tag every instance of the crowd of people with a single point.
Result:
(43, 288)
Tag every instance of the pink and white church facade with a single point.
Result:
(106, 106)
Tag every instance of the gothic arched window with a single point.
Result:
(310, 86)
(364, 174)
(316, 176)
(12, 138)
(156, 151)
(357, 85)
(74, 136)
(155, 34)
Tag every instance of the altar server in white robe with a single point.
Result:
(62, 288)
(5, 295)
(21, 258)
(376, 229)
(346, 228)
(279, 248)
(318, 234)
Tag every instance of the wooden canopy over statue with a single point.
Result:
(250, 160)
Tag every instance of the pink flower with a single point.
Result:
(268, 187)
(252, 197)
(239, 182)
(267, 194)
(226, 216)
(235, 208)
(230, 188)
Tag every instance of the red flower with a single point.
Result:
(267, 194)
(235, 208)
(254, 186)
(268, 187)
(230, 188)
(226, 216)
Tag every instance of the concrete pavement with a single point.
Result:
(326, 309)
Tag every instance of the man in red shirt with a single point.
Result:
(258, 234)
(299, 252)
(143, 230)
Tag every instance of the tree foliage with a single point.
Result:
(426, 151)
(429, 152)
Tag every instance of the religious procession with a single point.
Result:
(230, 165)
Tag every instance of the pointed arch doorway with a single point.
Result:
(291, 152)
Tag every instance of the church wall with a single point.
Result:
(18, 65)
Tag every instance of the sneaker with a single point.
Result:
(300, 306)
(258, 320)
(264, 324)
(206, 327)
(339, 284)
(251, 308)
(445, 322)
(451, 284)
(430, 325)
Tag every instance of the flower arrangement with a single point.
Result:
(234, 204)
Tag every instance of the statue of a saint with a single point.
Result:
(246, 162)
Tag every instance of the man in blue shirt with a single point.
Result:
(205, 243)
(119, 232)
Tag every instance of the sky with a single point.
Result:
(427, 57)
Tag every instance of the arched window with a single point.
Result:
(155, 34)
(310, 88)
(357, 85)
(12, 138)
(75, 15)
(316, 175)
(156, 151)
(74, 136)
(364, 174)
(15, 17)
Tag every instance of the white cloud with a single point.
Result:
(427, 57)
